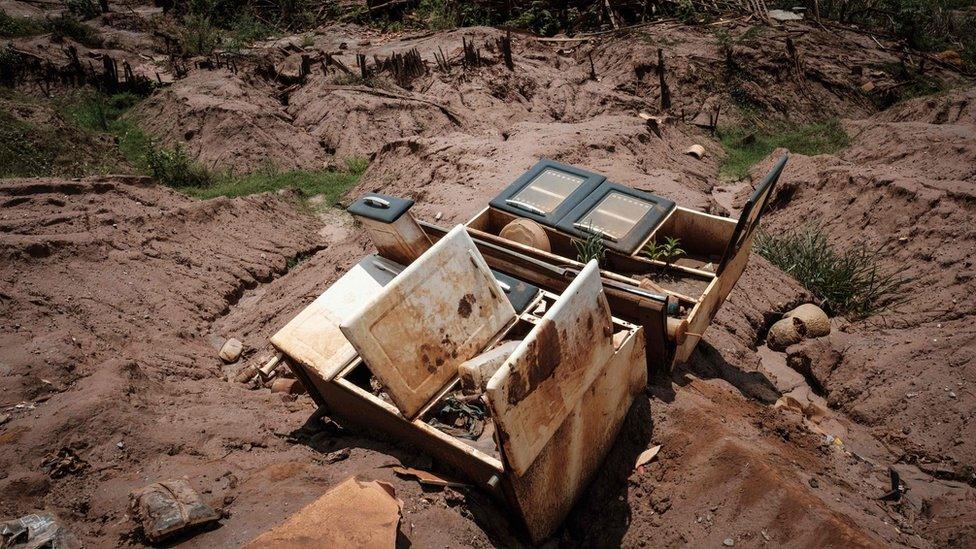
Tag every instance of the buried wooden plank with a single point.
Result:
(313, 339)
(546, 375)
(443, 309)
(356, 513)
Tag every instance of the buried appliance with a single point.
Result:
(506, 358)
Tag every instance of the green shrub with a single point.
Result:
(83, 9)
(745, 146)
(174, 167)
(922, 24)
(539, 18)
(198, 36)
(13, 27)
(245, 31)
(849, 282)
(356, 164)
(25, 151)
(67, 26)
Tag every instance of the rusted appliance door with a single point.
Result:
(559, 400)
(443, 309)
(312, 339)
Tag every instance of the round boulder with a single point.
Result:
(783, 334)
(810, 320)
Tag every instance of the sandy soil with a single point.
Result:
(116, 294)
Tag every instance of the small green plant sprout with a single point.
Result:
(590, 248)
(669, 252)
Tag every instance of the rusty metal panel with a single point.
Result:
(443, 309)
(555, 481)
(313, 339)
(545, 377)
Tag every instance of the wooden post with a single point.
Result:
(665, 92)
(505, 45)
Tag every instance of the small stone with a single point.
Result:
(4, 418)
(338, 455)
(120, 445)
(952, 395)
(814, 483)
(729, 542)
(231, 350)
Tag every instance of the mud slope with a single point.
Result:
(116, 293)
(266, 111)
(110, 286)
(906, 186)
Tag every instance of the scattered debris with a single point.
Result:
(270, 367)
(460, 416)
(62, 463)
(337, 456)
(528, 233)
(356, 513)
(168, 507)
(36, 531)
(231, 350)
(426, 477)
(695, 150)
(288, 386)
(785, 15)
(898, 488)
(648, 455)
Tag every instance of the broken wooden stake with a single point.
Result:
(665, 92)
(505, 46)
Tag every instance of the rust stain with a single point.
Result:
(546, 351)
(464, 305)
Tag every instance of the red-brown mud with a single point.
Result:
(116, 294)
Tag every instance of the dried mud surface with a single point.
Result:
(116, 294)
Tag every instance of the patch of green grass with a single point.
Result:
(24, 150)
(247, 30)
(330, 184)
(850, 282)
(60, 27)
(67, 26)
(13, 27)
(96, 112)
(65, 136)
(745, 146)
